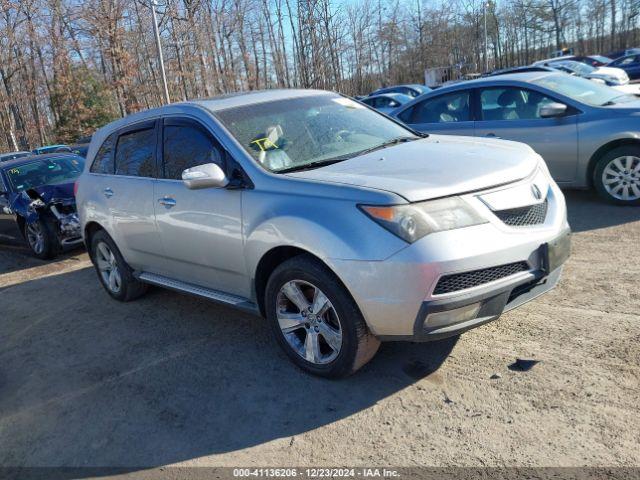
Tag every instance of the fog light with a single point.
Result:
(451, 317)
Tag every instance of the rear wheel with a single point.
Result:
(42, 241)
(617, 176)
(316, 321)
(114, 273)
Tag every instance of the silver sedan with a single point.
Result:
(589, 134)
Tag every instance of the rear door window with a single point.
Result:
(136, 152)
(452, 107)
(186, 144)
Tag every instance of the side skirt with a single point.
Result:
(210, 294)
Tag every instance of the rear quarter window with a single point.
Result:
(103, 162)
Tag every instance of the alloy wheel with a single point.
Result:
(35, 237)
(108, 267)
(309, 322)
(621, 178)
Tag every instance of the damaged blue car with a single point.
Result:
(37, 202)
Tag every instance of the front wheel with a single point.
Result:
(42, 241)
(617, 176)
(316, 321)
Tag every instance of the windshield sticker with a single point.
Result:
(264, 144)
(14, 171)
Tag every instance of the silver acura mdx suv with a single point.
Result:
(340, 226)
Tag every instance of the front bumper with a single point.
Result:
(487, 307)
(397, 296)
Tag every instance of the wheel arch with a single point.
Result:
(271, 260)
(90, 229)
(607, 147)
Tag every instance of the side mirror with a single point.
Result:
(208, 175)
(553, 110)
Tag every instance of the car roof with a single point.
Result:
(553, 59)
(387, 95)
(51, 146)
(16, 162)
(242, 99)
(524, 77)
(19, 152)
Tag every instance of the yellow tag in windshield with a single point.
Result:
(14, 171)
(265, 144)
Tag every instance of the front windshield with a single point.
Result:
(583, 90)
(580, 68)
(601, 59)
(44, 172)
(289, 134)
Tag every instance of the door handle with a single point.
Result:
(108, 192)
(168, 202)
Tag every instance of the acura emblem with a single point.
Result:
(537, 194)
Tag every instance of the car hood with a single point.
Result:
(433, 167)
(59, 191)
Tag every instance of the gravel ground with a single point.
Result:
(170, 379)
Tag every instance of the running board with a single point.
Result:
(215, 295)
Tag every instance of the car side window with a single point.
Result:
(451, 107)
(372, 102)
(511, 103)
(406, 115)
(135, 153)
(103, 161)
(185, 145)
(626, 61)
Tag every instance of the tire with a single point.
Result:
(617, 176)
(41, 239)
(115, 275)
(356, 345)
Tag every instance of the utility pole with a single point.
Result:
(160, 57)
(486, 57)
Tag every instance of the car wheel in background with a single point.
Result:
(315, 320)
(114, 273)
(617, 176)
(41, 240)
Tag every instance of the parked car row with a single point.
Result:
(342, 226)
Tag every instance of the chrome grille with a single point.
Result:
(524, 216)
(474, 278)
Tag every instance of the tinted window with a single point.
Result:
(185, 147)
(103, 163)
(135, 153)
(511, 104)
(406, 115)
(452, 107)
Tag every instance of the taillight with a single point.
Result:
(75, 188)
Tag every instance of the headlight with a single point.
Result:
(413, 221)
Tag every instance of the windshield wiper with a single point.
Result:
(341, 158)
(388, 143)
(311, 165)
